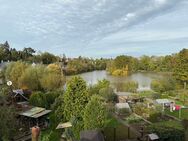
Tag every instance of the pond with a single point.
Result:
(143, 79)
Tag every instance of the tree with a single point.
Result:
(145, 62)
(108, 94)
(14, 72)
(27, 52)
(48, 58)
(181, 69)
(31, 78)
(5, 51)
(75, 99)
(53, 78)
(95, 114)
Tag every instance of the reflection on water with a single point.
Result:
(143, 78)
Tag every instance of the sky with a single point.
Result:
(96, 28)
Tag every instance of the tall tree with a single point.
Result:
(95, 115)
(75, 99)
(181, 69)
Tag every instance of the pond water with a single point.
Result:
(144, 79)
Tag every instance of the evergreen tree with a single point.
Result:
(75, 100)
(181, 69)
(95, 115)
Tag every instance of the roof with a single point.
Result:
(64, 125)
(19, 91)
(91, 135)
(35, 112)
(153, 136)
(163, 101)
(122, 105)
(123, 93)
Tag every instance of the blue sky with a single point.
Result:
(96, 28)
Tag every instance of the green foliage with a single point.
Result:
(43, 99)
(168, 131)
(8, 123)
(181, 66)
(133, 119)
(130, 86)
(103, 89)
(80, 65)
(31, 78)
(52, 81)
(121, 65)
(95, 114)
(14, 72)
(108, 94)
(146, 111)
(50, 135)
(97, 87)
(163, 85)
(48, 58)
(38, 99)
(35, 78)
(75, 99)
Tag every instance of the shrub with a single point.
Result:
(168, 131)
(133, 119)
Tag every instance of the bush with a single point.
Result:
(163, 85)
(45, 100)
(108, 94)
(130, 86)
(133, 119)
(38, 99)
(168, 131)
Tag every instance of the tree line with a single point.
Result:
(73, 65)
(175, 63)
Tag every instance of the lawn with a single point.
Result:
(184, 113)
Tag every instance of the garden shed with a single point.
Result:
(122, 96)
(122, 108)
(164, 102)
(34, 116)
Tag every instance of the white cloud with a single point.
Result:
(76, 23)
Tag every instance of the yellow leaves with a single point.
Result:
(54, 68)
(120, 72)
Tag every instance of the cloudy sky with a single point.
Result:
(96, 28)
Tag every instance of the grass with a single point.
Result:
(54, 135)
(184, 113)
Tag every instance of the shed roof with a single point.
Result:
(153, 136)
(163, 101)
(91, 135)
(19, 91)
(35, 112)
(123, 93)
(122, 105)
(64, 125)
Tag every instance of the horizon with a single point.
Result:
(99, 28)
